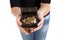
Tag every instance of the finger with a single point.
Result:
(23, 30)
(32, 30)
(38, 28)
(26, 32)
(41, 22)
(18, 21)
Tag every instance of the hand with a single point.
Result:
(21, 28)
(40, 24)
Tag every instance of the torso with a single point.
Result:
(30, 3)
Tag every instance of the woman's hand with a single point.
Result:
(43, 10)
(40, 23)
(21, 28)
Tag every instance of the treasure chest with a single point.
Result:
(29, 17)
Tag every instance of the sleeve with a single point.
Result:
(45, 1)
(14, 3)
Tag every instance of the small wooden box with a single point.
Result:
(29, 17)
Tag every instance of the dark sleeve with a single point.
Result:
(14, 3)
(45, 1)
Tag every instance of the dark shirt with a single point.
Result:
(27, 3)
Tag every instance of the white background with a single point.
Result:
(10, 31)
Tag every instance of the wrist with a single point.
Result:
(40, 13)
(16, 11)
